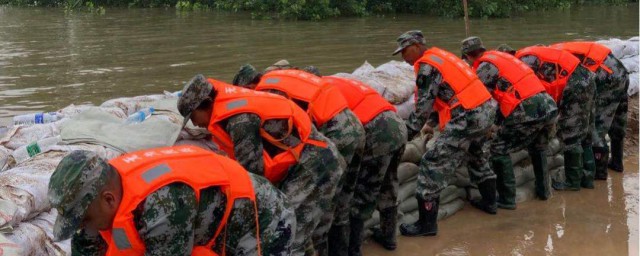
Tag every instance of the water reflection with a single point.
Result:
(127, 52)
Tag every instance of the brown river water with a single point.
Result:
(50, 59)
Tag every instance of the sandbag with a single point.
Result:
(406, 190)
(407, 171)
(461, 178)
(36, 236)
(393, 80)
(203, 143)
(523, 174)
(525, 192)
(24, 134)
(405, 109)
(72, 110)
(8, 247)
(408, 205)
(133, 104)
(411, 154)
(23, 189)
(631, 64)
(449, 209)
(633, 83)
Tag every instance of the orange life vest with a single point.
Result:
(469, 90)
(325, 101)
(524, 82)
(232, 100)
(565, 64)
(144, 172)
(364, 101)
(590, 50)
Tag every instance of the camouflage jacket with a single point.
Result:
(170, 221)
(430, 86)
(536, 108)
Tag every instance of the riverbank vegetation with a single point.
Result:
(322, 9)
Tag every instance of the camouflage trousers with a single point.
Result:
(347, 133)
(465, 139)
(533, 134)
(310, 187)
(576, 118)
(611, 106)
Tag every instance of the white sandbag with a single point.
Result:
(100, 128)
(473, 194)
(21, 135)
(448, 210)
(408, 205)
(36, 236)
(407, 190)
(8, 247)
(631, 64)
(364, 70)
(4, 155)
(73, 110)
(203, 143)
(525, 192)
(616, 45)
(420, 142)
(374, 220)
(407, 171)
(461, 178)
(557, 175)
(411, 154)
(523, 174)
(518, 156)
(405, 109)
(23, 189)
(634, 82)
(131, 105)
(630, 50)
(451, 193)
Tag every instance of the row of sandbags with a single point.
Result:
(26, 216)
(627, 52)
(460, 189)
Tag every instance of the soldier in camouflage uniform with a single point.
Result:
(464, 139)
(529, 126)
(347, 133)
(576, 120)
(377, 181)
(611, 105)
(310, 184)
(87, 193)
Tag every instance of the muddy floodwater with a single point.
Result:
(50, 59)
(602, 221)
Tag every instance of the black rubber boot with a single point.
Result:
(488, 202)
(356, 236)
(339, 240)
(505, 181)
(589, 168)
(601, 157)
(617, 155)
(541, 171)
(427, 224)
(572, 171)
(386, 234)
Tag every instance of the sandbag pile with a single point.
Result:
(393, 80)
(627, 52)
(460, 189)
(26, 216)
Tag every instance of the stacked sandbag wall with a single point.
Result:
(627, 52)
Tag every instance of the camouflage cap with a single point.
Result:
(409, 38)
(312, 70)
(471, 44)
(281, 64)
(506, 48)
(193, 94)
(245, 75)
(74, 184)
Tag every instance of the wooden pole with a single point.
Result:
(466, 17)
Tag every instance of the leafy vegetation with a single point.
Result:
(322, 9)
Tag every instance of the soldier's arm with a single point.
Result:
(165, 220)
(489, 75)
(88, 243)
(244, 130)
(427, 82)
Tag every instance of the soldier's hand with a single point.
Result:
(426, 129)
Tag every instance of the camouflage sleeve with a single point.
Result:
(532, 61)
(427, 80)
(88, 243)
(244, 130)
(165, 220)
(489, 75)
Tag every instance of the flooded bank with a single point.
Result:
(602, 221)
